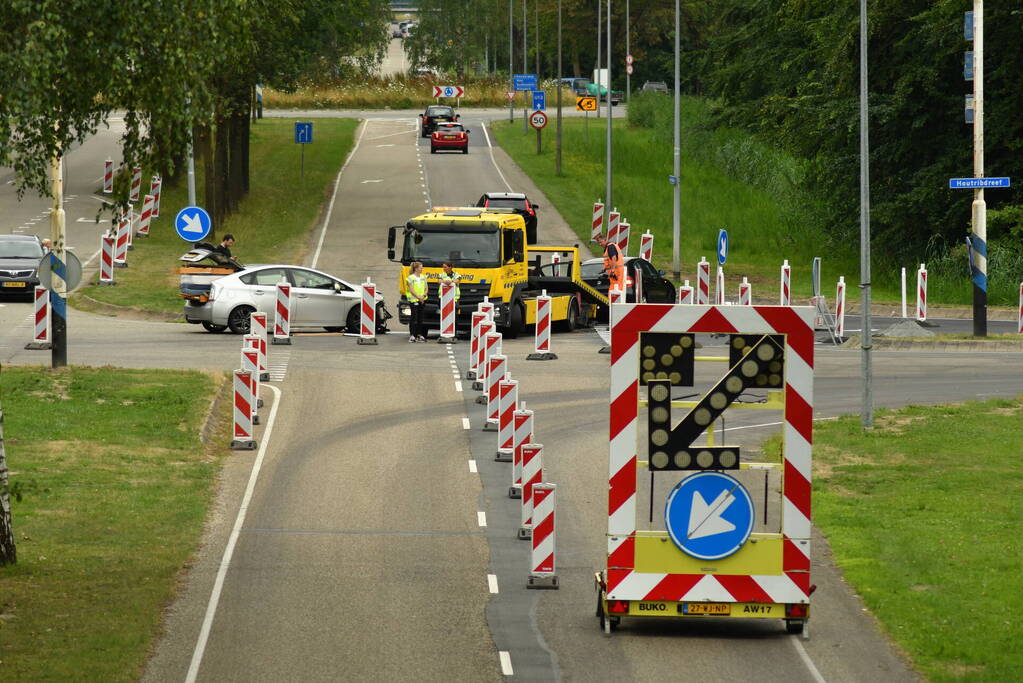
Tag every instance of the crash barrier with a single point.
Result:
(685, 293)
(719, 287)
(703, 282)
(597, 225)
(121, 244)
(542, 336)
(523, 434)
(447, 312)
(474, 342)
(840, 308)
(108, 176)
(242, 435)
(1019, 326)
(532, 473)
(921, 293)
(154, 189)
(542, 572)
(490, 344)
(106, 260)
(785, 293)
(41, 336)
(282, 321)
(507, 404)
(146, 217)
(613, 223)
(745, 294)
(904, 292)
(136, 184)
(368, 314)
(623, 237)
(497, 366)
(646, 246)
(250, 364)
(257, 328)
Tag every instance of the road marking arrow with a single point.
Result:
(706, 520)
(192, 223)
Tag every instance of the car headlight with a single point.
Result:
(406, 310)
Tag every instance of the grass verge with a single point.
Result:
(114, 485)
(271, 225)
(923, 514)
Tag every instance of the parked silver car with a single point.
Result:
(317, 300)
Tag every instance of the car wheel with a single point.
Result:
(433, 150)
(334, 329)
(352, 321)
(465, 150)
(238, 319)
(210, 327)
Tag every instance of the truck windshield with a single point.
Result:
(433, 247)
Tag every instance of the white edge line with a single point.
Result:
(458, 386)
(472, 467)
(506, 667)
(218, 584)
(333, 196)
(465, 423)
(806, 660)
(492, 583)
(493, 161)
(774, 424)
(481, 518)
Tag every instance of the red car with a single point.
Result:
(449, 136)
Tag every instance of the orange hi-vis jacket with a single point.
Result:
(614, 265)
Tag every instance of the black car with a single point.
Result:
(19, 264)
(435, 114)
(517, 201)
(656, 290)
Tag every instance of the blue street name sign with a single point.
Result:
(303, 132)
(524, 82)
(539, 100)
(193, 224)
(709, 515)
(722, 247)
(976, 183)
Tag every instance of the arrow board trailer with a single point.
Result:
(695, 528)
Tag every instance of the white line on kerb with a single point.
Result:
(465, 423)
(506, 667)
(481, 518)
(492, 583)
(458, 386)
(472, 467)
(333, 196)
(218, 584)
(491, 149)
(806, 660)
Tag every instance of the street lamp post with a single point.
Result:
(628, 51)
(596, 71)
(557, 153)
(676, 190)
(979, 208)
(607, 192)
(525, 64)
(511, 65)
(867, 413)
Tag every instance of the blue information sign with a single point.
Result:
(193, 224)
(303, 132)
(722, 247)
(539, 100)
(709, 515)
(524, 82)
(976, 183)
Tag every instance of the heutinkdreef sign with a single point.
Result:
(976, 183)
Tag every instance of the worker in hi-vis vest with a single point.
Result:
(415, 285)
(449, 275)
(614, 264)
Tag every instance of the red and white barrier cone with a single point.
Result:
(368, 314)
(745, 293)
(250, 364)
(146, 217)
(523, 434)
(1019, 325)
(130, 218)
(719, 287)
(108, 176)
(597, 225)
(106, 260)
(447, 313)
(474, 342)
(532, 473)
(257, 328)
(507, 403)
(542, 343)
(41, 339)
(243, 439)
(121, 244)
(840, 308)
(703, 282)
(542, 573)
(685, 293)
(646, 246)
(921, 293)
(497, 367)
(154, 189)
(282, 320)
(613, 224)
(623, 237)
(136, 184)
(785, 290)
(490, 344)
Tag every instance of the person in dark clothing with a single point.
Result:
(225, 247)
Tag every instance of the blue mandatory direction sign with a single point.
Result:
(976, 183)
(539, 100)
(524, 82)
(303, 132)
(722, 247)
(709, 515)
(193, 224)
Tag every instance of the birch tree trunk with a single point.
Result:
(8, 552)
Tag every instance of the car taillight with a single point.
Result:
(618, 606)
(461, 136)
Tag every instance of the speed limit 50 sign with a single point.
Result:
(538, 119)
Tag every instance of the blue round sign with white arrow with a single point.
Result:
(193, 224)
(722, 247)
(709, 515)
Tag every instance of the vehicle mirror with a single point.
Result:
(662, 273)
(536, 206)
(390, 254)
(390, 236)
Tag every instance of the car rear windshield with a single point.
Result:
(20, 249)
(589, 271)
(454, 128)
(507, 203)
(440, 111)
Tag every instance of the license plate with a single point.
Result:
(14, 284)
(450, 137)
(716, 608)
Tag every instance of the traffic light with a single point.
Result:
(667, 356)
(740, 344)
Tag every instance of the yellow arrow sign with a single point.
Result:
(586, 104)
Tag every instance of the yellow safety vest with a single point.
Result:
(455, 278)
(416, 288)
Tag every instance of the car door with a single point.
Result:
(261, 285)
(655, 287)
(318, 300)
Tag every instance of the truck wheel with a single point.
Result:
(571, 321)
(238, 319)
(210, 327)
(516, 318)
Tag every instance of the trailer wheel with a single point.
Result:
(794, 626)
(571, 321)
(607, 623)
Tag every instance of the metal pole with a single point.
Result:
(511, 66)
(536, 39)
(867, 414)
(596, 71)
(979, 208)
(557, 153)
(58, 287)
(676, 190)
(628, 51)
(191, 161)
(525, 65)
(607, 192)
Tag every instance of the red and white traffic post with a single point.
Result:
(146, 217)
(523, 434)
(282, 321)
(840, 308)
(250, 364)
(242, 435)
(487, 328)
(623, 237)
(474, 342)
(542, 573)
(368, 314)
(108, 176)
(136, 184)
(556, 264)
(613, 219)
(532, 473)
(507, 404)
(785, 291)
(542, 343)
(130, 218)
(447, 312)
(497, 367)
(745, 292)
(154, 189)
(41, 336)
(719, 287)
(106, 260)
(703, 282)
(258, 328)
(685, 293)
(921, 293)
(597, 226)
(646, 246)
(121, 243)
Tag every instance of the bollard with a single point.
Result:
(497, 367)
(108, 176)
(921, 293)
(282, 321)
(613, 218)
(121, 244)
(507, 404)
(136, 184)
(745, 294)
(597, 226)
(785, 293)
(242, 440)
(904, 293)
(719, 287)
(474, 342)
(41, 338)
(486, 328)
(532, 473)
(130, 229)
(840, 309)
(368, 315)
(541, 566)
(646, 246)
(106, 260)
(490, 344)
(146, 217)
(623, 238)
(447, 313)
(703, 282)
(685, 293)
(257, 328)
(523, 434)
(542, 343)
(250, 364)
(154, 189)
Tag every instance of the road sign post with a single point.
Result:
(303, 137)
(538, 119)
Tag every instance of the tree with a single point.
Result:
(8, 550)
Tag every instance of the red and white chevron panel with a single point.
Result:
(840, 308)
(523, 434)
(685, 293)
(507, 403)
(489, 346)
(532, 473)
(543, 323)
(258, 328)
(154, 189)
(447, 310)
(106, 260)
(745, 292)
(623, 237)
(597, 226)
(250, 364)
(703, 282)
(368, 311)
(146, 216)
(136, 184)
(108, 176)
(542, 556)
(646, 246)
(921, 293)
(42, 315)
(793, 584)
(497, 366)
(785, 293)
(282, 319)
(613, 218)
(474, 343)
(243, 402)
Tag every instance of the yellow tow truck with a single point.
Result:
(487, 247)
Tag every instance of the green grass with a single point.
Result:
(271, 225)
(114, 487)
(924, 516)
